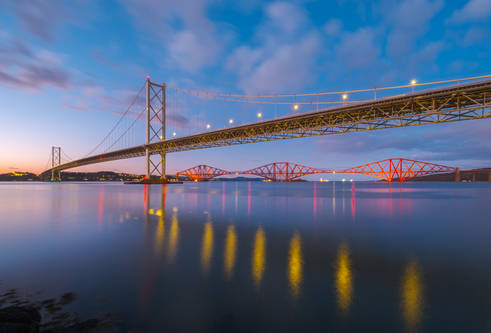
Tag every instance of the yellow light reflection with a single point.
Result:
(207, 247)
(259, 257)
(159, 236)
(173, 237)
(412, 296)
(230, 254)
(295, 266)
(344, 279)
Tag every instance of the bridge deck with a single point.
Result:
(464, 102)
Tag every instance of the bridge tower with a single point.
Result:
(55, 161)
(155, 106)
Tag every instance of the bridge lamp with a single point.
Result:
(230, 121)
(259, 115)
(207, 126)
(174, 134)
(413, 82)
(344, 97)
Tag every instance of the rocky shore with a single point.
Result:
(23, 315)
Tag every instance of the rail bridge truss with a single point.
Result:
(391, 169)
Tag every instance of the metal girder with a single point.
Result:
(283, 171)
(444, 105)
(399, 168)
(203, 172)
(155, 107)
(395, 168)
(464, 102)
(55, 162)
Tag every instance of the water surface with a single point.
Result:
(256, 257)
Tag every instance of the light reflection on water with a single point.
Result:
(173, 236)
(412, 296)
(295, 266)
(259, 257)
(190, 262)
(344, 279)
(207, 247)
(230, 252)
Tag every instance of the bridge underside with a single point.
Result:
(465, 102)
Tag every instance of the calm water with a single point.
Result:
(280, 257)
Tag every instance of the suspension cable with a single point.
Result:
(118, 121)
(46, 167)
(326, 93)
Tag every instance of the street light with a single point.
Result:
(259, 115)
(230, 122)
(207, 126)
(344, 97)
(413, 82)
(174, 134)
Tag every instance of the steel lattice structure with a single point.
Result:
(391, 169)
(399, 168)
(55, 162)
(282, 171)
(203, 172)
(463, 102)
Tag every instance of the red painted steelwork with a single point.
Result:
(283, 171)
(399, 168)
(395, 168)
(203, 172)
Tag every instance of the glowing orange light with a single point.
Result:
(100, 158)
(295, 107)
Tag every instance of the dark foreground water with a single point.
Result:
(255, 257)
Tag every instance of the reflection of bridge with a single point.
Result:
(398, 169)
(170, 108)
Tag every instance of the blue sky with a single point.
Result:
(69, 68)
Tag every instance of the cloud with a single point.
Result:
(289, 67)
(101, 57)
(79, 105)
(191, 41)
(243, 59)
(43, 18)
(357, 49)
(333, 27)
(408, 21)
(474, 10)
(12, 168)
(286, 17)
(286, 47)
(177, 121)
(31, 70)
(442, 142)
(476, 36)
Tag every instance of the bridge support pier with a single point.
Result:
(55, 161)
(457, 174)
(155, 107)
(473, 177)
(489, 177)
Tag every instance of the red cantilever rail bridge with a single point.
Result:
(391, 169)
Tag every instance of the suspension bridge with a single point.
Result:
(163, 119)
